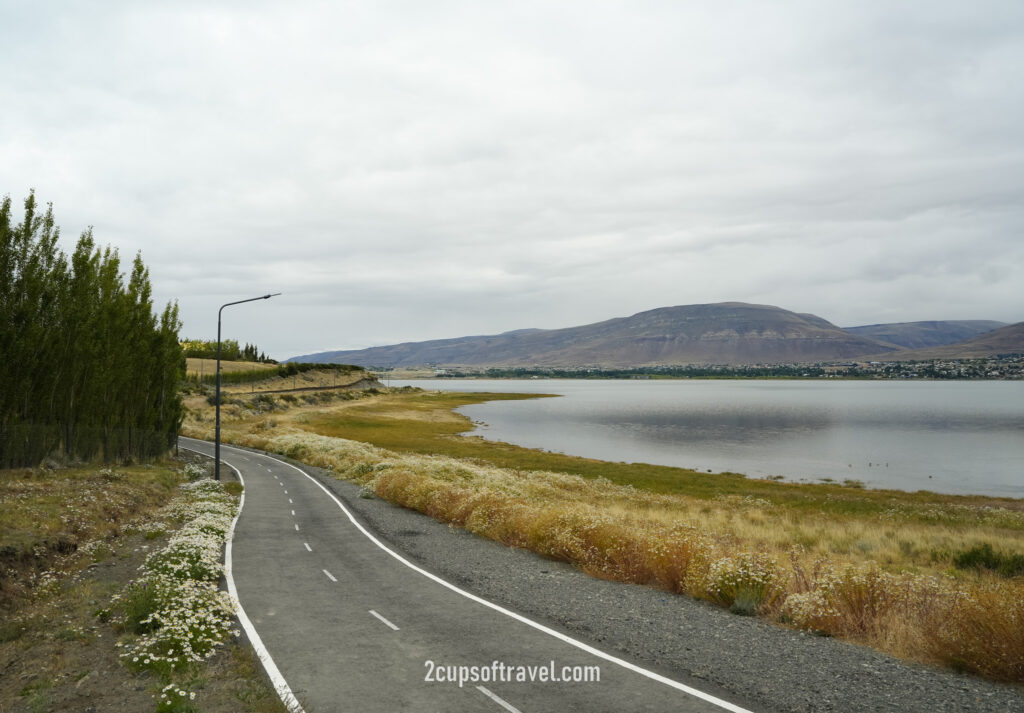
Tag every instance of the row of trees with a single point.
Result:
(229, 351)
(86, 367)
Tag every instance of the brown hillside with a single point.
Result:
(722, 333)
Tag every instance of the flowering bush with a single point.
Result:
(195, 471)
(746, 583)
(811, 611)
(175, 605)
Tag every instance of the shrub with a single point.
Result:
(983, 556)
(746, 583)
(139, 602)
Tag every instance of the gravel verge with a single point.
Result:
(744, 660)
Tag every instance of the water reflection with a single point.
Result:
(956, 437)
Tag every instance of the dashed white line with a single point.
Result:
(696, 693)
(393, 627)
(284, 692)
(290, 501)
(499, 700)
(307, 546)
(296, 527)
(329, 575)
(293, 513)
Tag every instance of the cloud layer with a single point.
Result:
(404, 171)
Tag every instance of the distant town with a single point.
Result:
(1001, 367)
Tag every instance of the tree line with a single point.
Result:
(229, 351)
(87, 370)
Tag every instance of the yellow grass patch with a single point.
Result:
(194, 366)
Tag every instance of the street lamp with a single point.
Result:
(216, 440)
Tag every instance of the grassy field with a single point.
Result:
(251, 377)
(925, 576)
(209, 366)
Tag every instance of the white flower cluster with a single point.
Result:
(747, 576)
(810, 610)
(744, 502)
(195, 471)
(189, 616)
(172, 697)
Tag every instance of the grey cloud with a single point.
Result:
(409, 171)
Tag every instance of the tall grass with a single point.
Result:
(696, 546)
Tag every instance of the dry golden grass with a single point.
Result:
(869, 567)
(306, 380)
(195, 366)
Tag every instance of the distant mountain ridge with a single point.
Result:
(1005, 340)
(721, 333)
(920, 335)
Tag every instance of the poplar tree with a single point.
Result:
(86, 368)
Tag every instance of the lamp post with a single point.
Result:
(216, 440)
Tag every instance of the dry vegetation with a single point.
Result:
(196, 366)
(259, 377)
(876, 567)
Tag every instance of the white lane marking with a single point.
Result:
(329, 575)
(275, 477)
(284, 692)
(281, 484)
(497, 699)
(393, 627)
(285, 492)
(296, 527)
(307, 546)
(293, 513)
(696, 693)
(290, 501)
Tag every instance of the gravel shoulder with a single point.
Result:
(744, 660)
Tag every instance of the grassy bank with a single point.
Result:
(251, 377)
(889, 569)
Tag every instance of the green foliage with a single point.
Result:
(229, 351)
(983, 556)
(689, 371)
(140, 602)
(86, 367)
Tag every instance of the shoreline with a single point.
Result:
(860, 476)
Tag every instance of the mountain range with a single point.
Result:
(921, 335)
(720, 333)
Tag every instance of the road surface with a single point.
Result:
(346, 623)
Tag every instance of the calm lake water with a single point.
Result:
(950, 437)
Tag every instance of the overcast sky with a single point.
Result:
(415, 170)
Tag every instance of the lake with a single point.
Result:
(945, 436)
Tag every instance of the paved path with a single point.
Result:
(351, 625)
